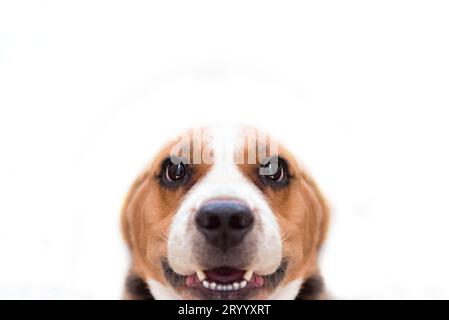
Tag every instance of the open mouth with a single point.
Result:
(225, 281)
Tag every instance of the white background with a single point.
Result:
(359, 90)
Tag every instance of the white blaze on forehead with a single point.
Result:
(224, 141)
(228, 144)
(224, 180)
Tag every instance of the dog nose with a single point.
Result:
(224, 223)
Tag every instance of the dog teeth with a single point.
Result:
(224, 287)
(201, 275)
(234, 286)
(248, 275)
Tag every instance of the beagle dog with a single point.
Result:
(224, 213)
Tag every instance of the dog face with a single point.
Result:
(224, 214)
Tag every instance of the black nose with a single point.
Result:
(224, 223)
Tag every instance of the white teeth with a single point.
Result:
(201, 275)
(222, 287)
(248, 275)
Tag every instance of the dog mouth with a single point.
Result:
(224, 282)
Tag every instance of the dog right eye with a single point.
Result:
(175, 172)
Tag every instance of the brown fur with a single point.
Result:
(147, 214)
(302, 214)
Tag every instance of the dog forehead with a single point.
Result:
(239, 145)
(224, 177)
(225, 144)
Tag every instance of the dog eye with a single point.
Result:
(174, 171)
(274, 171)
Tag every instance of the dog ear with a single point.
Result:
(129, 206)
(320, 207)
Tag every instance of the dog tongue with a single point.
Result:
(224, 274)
(190, 280)
(258, 280)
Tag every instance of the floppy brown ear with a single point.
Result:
(313, 286)
(320, 205)
(126, 213)
(135, 287)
